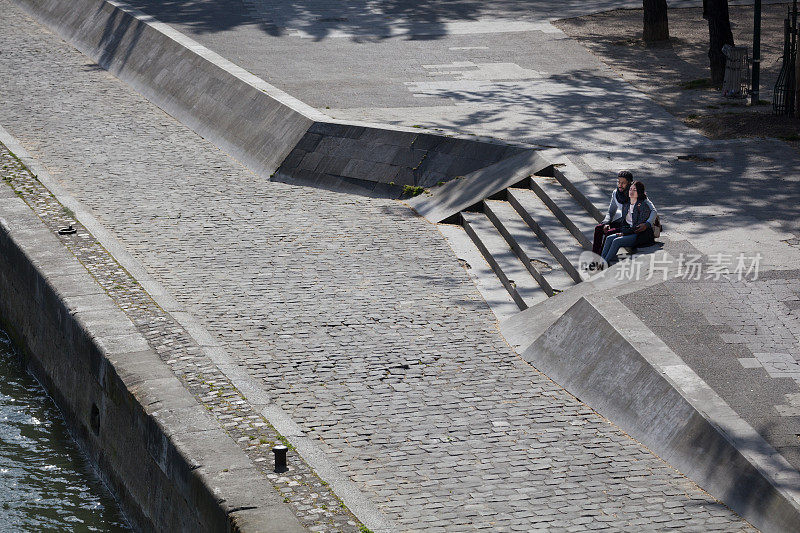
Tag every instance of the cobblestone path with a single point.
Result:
(311, 499)
(354, 313)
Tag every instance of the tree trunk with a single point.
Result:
(719, 33)
(656, 25)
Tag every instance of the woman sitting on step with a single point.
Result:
(638, 218)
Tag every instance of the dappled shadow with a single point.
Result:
(580, 112)
(576, 111)
(577, 102)
(358, 19)
(361, 19)
(202, 15)
(115, 30)
(662, 68)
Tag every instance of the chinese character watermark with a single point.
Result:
(690, 267)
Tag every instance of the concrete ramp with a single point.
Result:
(600, 352)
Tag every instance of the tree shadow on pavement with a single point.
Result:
(116, 27)
(360, 19)
(577, 111)
(685, 173)
(663, 69)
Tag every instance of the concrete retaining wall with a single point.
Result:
(602, 354)
(382, 161)
(446, 201)
(269, 131)
(161, 453)
(251, 120)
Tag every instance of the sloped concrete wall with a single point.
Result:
(653, 397)
(382, 161)
(267, 130)
(251, 120)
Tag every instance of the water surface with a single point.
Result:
(45, 482)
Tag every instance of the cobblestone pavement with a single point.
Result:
(354, 313)
(313, 502)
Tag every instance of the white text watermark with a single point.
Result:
(692, 267)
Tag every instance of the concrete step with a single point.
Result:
(489, 207)
(529, 248)
(558, 240)
(567, 209)
(489, 285)
(518, 281)
(581, 188)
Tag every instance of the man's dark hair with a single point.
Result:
(627, 174)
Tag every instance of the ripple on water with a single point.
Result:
(45, 482)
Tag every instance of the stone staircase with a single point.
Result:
(522, 244)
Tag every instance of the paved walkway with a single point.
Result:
(354, 314)
(505, 72)
(500, 69)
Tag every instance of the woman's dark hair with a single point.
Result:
(641, 196)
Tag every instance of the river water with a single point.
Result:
(45, 482)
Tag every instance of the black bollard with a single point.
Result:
(280, 458)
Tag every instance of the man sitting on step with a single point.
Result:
(613, 219)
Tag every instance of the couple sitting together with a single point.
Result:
(630, 220)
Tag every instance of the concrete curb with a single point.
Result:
(160, 452)
(311, 451)
(596, 348)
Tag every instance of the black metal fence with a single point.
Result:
(783, 97)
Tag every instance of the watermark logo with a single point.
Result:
(589, 264)
(691, 267)
(719, 266)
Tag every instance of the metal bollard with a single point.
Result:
(280, 458)
(69, 230)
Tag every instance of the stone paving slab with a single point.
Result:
(352, 312)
